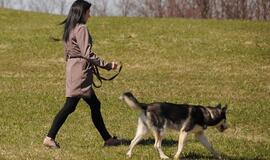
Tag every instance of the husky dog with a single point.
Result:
(184, 118)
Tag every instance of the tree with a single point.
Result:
(2, 3)
(100, 8)
(152, 8)
(62, 6)
(171, 8)
(125, 6)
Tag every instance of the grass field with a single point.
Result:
(177, 60)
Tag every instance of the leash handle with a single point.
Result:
(100, 78)
(119, 70)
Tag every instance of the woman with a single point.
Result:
(79, 73)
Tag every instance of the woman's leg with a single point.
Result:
(69, 107)
(97, 119)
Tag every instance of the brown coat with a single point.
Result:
(79, 75)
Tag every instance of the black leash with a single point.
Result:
(97, 74)
(100, 78)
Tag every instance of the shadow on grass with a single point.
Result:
(190, 155)
(150, 141)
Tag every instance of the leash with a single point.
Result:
(97, 74)
(100, 78)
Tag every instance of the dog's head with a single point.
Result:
(222, 125)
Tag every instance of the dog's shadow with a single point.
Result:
(189, 155)
(150, 141)
(192, 156)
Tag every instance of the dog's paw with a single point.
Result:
(164, 157)
(129, 154)
(176, 157)
(217, 156)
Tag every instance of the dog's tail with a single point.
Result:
(132, 102)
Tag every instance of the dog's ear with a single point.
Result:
(219, 106)
(224, 109)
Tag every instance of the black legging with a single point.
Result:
(70, 106)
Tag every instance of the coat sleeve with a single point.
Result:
(82, 37)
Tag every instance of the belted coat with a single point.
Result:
(79, 62)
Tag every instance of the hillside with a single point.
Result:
(176, 60)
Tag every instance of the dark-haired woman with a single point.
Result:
(79, 76)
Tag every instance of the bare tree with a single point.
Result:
(205, 7)
(62, 5)
(125, 6)
(51, 6)
(100, 7)
(241, 9)
(43, 6)
(263, 9)
(172, 9)
(141, 8)
(225, 9)
(159, 7)
(266, 9)
(153, 8)
(221, 9)
(156, 7)
(2, 3)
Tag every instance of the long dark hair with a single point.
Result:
(75, 16)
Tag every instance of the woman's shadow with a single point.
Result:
(190, 155)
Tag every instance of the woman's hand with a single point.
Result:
(114, 65)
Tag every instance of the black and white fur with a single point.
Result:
(184, 118)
